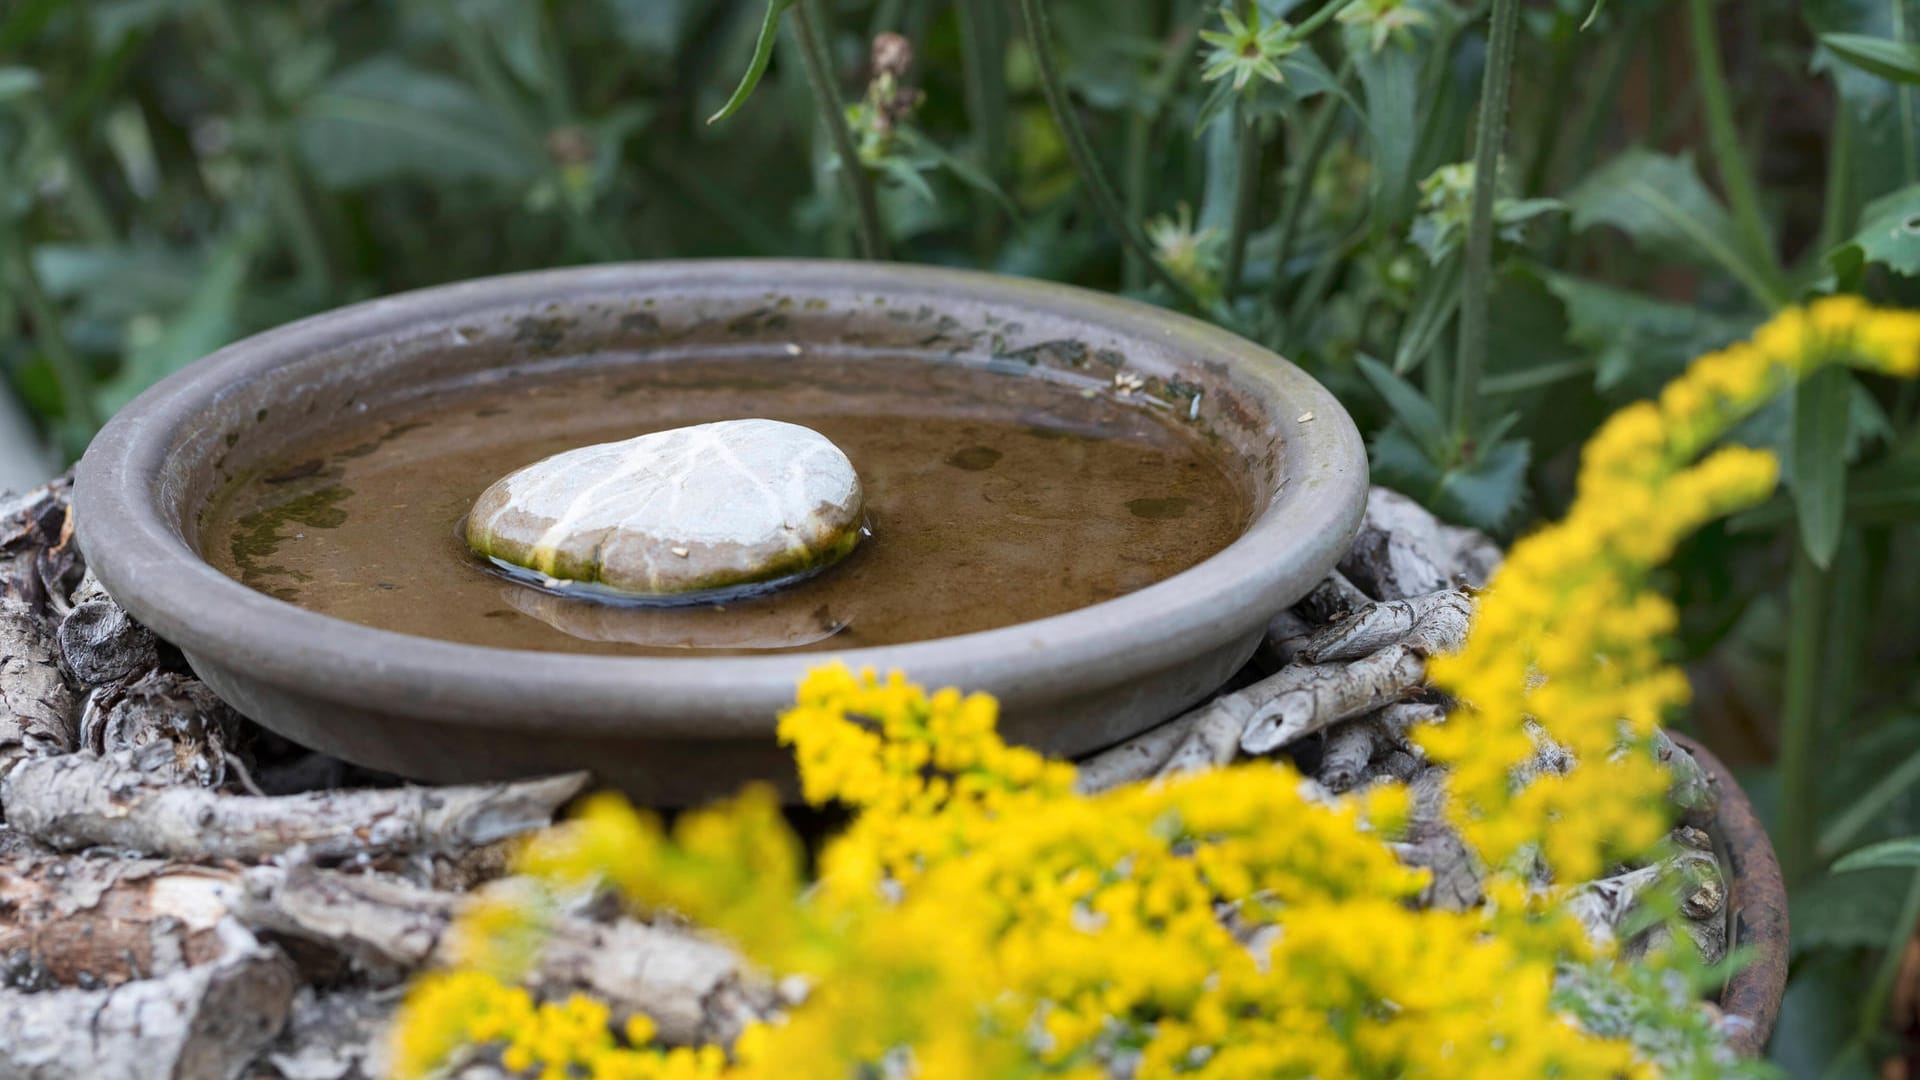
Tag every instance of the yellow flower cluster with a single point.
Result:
(986, 921)
(978, 918)
(1570, 630)
(452, 1011)
(927, 772)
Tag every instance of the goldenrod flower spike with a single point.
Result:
(979, 919)
(1570, 631)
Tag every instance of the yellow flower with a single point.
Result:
(979, 918)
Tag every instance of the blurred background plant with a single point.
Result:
(1341, 180)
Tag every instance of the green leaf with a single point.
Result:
(903, 172)
(1895, 60)
(1219, 99)
(1637, 337)
(1904, 852)
(1391, 79)
(762, 55)
(383, 120)
(1308, 75)
(1660, 201)
(1889, 234)
(1485, 492)
(922, 151)
(1598, 7)
(1881, 135)
(1822, 415)
(1848, 911)
(203, 325)
(1410, 407)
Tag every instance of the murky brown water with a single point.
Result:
(994, 499)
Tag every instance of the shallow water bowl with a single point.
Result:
(679, 724)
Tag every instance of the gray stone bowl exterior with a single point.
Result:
(675, 731)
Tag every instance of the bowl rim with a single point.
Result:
(147, 565)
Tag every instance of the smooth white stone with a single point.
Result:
(705, 507)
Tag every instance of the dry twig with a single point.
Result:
(80, 800)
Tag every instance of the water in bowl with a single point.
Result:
(993, 498)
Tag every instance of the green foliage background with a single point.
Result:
(175, 174)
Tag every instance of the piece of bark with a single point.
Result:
(1430, 624)
(39, 563)
(1354, 745)
(333, 1035)
(90, 922)
(1280, 645)
(163, 707)
(80, 800)
(103, 645)
(1334, 598)
(1135, 759)
(1399, 719)
(1306, 698)
(1456, 880)
(36, 706)
(1708, 938)
(200, 1022)
(1463, 555)
(1350, 749)
(1300, 698)
(1388, 568)
(1396, 764)
(1697, 889)
(694, 989)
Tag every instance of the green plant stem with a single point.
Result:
(1476, 297)
(1320, 18)
(76, 385)
(1246, 197)
(1730, 159)
(826, 96)
(1807, 594)
(1175, 60)
(1033, 21)
(1294, 203)
(289, 193)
